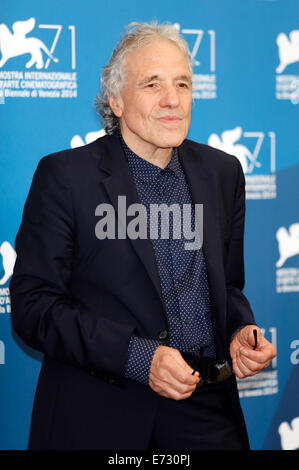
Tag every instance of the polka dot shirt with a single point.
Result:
(182, 272)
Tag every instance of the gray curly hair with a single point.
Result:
(113, 77)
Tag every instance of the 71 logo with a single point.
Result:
(197, 41)
(58, 28)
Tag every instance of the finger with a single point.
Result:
(168, 390)
(182, 372)
(261, 356)
(181, 361)
(243, 369)
(185, 366)
(249, 363)
(247, 372)
(249, 367)
(236, 369)
(164, 377)
(180, 396)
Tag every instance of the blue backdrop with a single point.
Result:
(246, 95)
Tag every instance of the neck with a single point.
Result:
(155, 155)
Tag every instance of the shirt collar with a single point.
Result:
(145, 170)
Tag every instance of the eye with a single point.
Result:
(152, 85)
(183, 85)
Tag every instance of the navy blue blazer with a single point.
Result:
(78, 299)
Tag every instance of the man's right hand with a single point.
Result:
(170, 375)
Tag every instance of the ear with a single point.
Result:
(116, 104)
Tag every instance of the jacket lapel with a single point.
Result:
(204, 190)
(119, 182)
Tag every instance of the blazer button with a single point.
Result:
(163, 334)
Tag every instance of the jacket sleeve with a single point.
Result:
(44, 314)
(239, 312)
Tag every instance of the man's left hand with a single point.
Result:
(246, 360)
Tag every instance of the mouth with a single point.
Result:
(169, 119)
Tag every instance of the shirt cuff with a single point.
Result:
(140, 355)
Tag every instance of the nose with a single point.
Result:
(169, 97)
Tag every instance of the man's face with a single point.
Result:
(154, 106)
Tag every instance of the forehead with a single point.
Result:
(159, 57)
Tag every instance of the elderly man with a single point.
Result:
(142, 335)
